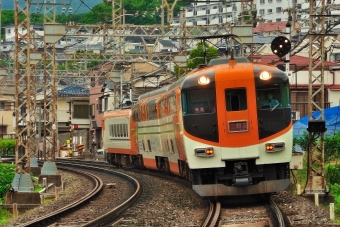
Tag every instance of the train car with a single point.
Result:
(214, 127)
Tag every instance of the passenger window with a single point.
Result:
(236, 99)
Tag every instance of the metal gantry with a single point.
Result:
(25, 93)
(316, 125)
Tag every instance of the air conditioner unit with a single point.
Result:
(296, 115)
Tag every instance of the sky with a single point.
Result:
(78, 6)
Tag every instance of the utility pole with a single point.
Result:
(24, 108)
(316, 182)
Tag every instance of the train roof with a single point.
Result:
(117, 113)
(220, 61)
(162, 89)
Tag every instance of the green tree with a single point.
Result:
(6, 177)
(332, 147)
(7, 145)
(303, 141)
(196, 56)
(332, 174)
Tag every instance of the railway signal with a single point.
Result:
(280, 46)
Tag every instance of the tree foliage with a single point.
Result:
(332, 147)
(332, 174)
(196, 56)
(102, 13)
(6, 177)
(7, 145)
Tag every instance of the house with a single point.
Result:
(273, 29)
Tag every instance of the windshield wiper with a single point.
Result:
(275, 107)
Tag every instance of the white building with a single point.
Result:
(211, 13)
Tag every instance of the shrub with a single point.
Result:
(332, 174)
(6, 177)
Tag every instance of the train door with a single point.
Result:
(238, 116)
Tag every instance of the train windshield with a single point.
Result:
(199, 101)
(273, 96)
(199, 113)
(273, 107)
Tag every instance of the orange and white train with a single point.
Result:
(211, 128)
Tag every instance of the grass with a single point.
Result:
(5, 216)
(38, 188)
(300, 177)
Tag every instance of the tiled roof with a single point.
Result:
(270, 27)
(299, 61)
(74, 90)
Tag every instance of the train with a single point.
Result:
(210, 128)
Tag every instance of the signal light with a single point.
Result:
(75, 126)
(204, 152)
(269, 147)
(280, 46)
(209, 151)
(265, 75)
(203, 80)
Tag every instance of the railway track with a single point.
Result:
(260, 213)
(103, 216)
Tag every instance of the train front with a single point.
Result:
(237, 129)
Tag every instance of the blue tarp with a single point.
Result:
(331, 117)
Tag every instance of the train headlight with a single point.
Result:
(265, 75)
(203, 80)
(274, 147)
(204, 152)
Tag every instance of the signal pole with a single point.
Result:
(316, 182)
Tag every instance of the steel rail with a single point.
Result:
(213, 214)
(41, 221)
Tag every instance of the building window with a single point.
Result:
(278, 19)
(81, 111)
(278, 10)
(261, 11)
(106, 104)
(262, 1)
(2, 105)
(91, 110)
(9, 31)
(270, 10)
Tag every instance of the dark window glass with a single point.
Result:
(236, 99)
(81, 111)
(199, 101)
